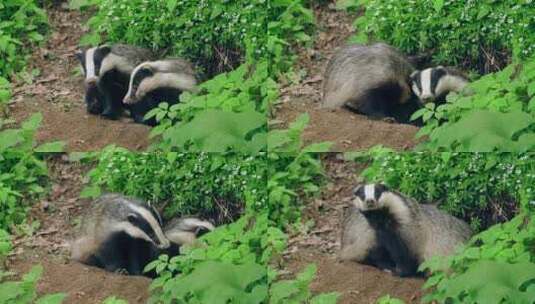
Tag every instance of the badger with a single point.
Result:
(179, 231)
(119, 233)
(389, 230)
(107, 71)
(183, 231)
(372, 80)
(153, 82)
(434, 84)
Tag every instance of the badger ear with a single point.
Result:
(380, 188)
(359, 190)
(440, 67)
(80, 56)
(414, 74)
(104, 50)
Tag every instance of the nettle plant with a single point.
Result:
(483, 188)
(497, 266)
(217, 186)
(23, 175)
(496, 112)
(214, 34)
(22, 24)
(474, 34)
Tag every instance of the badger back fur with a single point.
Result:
(434, 84)
(119, 233)
(372, 80)
(388, 230)
(157, 81)
(107, 71)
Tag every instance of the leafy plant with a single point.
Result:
(216, 35)
(5, 95)
(497, 266)
(213, 185)
(297, 291)
(218, 282)
(474, 34)
(114, 300)
(22, 174)
(24, 291)
(5, 246)
(389, 300)
(22, 23)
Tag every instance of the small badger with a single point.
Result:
(390, 231)
(119, 234)
(372, 80)
(107, 71)
(158, 81)
(183, 231)
(434, 84)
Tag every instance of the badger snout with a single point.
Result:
(163, 244)
(129, 99)
(90, 82)
(427, 98)
(370, 203)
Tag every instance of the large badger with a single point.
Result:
(107, 70)
(153, 82)
(378, 81)
(372, 80)
(119, 233)
(391, 231)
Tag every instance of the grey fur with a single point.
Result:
(425, 230)
(106, 215)
(184, 231)
(171, 73)
(355, 69)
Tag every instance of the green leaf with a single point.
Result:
(492, 282)
(90, 192)
(438, 5)
(52, 147)
(220, 283)
(326, 298)
(484, 131)
(52, 299)
(218, 131)
(32, 123)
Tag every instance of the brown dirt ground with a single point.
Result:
(347, 130)
(58, 94)
(58, 213)
(357, 284)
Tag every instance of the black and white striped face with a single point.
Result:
(91, 62)
(142, 223)
(141, 73)
(186, 230)
(427, 84)
(368, 196)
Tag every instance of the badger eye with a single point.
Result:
(132, 218)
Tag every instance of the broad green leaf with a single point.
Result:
(52, 147)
